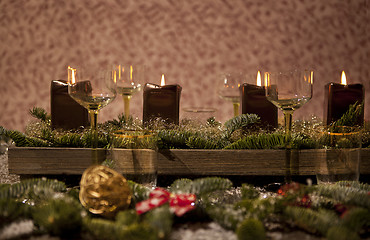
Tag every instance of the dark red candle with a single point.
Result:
(338, 98)
(161, 102)
(254, 100)
(66, 113)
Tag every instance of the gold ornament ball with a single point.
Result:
(104, 191)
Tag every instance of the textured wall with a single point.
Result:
(191, 42)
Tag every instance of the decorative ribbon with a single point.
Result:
(179, 203)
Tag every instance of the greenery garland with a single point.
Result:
(240, 132)
(56, 210)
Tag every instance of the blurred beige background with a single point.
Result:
(192, 42)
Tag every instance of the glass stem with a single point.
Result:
(236, 109)
(288, 116)
(93, 124)
(126, 102)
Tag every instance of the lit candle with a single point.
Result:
(66, 113)
(161, 101)
(338, 98)
(254, 101)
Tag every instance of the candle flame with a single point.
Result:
(114, 76)
(72, 75)
(267, 79)
(131, 71)
(259, 80)
(311, 77)
(119, 71)
(343, 79)
(163, 82)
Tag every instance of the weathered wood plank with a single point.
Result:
(52, 160)
(174, 162)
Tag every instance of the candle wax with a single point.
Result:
(66, 113)
(161, 101)
(254, 100)
(338, 98)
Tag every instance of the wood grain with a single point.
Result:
(174, 162)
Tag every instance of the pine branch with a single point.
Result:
(109, 230)
(35, 186)
(181, 185)
(225, 215)
(341, 233)
(249, 191)
(103, 139)
(36, 142)
(40, 114)
(354, 184)
(139, 192)
(310, 220)
(60, 217)
(122, 122)
(240, 122)
(251, 229)
(69, 140)
(21, 140)
(127, 217)
(205, 143)
(351, 117)
(11, 210)
(160, 219)
(174, 139)
(344, 194)
(356, 219)
(259, 141)
(101, 228)
(259, 208)
(302, 141)
(200, 186)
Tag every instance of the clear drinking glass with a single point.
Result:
(289, 91)
(198, 114)
(92, 87)
(134, 154)
(228, 89)
(342, 156)
(130, 80)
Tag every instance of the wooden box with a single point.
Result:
(43, 161)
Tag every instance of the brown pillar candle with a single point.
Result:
(338, 98)
(66, 113)
(161, 101)
(253, 98)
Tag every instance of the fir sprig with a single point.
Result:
(32, 186)
(160, 219)
(313, 221)
(60, 217)
(40, 114)
(174, 138)
(200, 186)
(11, 209)
(251, 229)
(205, 143)
(259, 141)
(226, 215)
(240, 122)
(139, 192)
(350, 118)
(344, 194)
(110, 230)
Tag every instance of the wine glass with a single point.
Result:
(129, 81)
(289, 91)
(93, 88)
(228, 89)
